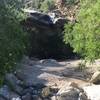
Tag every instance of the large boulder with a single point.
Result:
(7, 94)
(92, 92)
(68, 92)
(28, 96)
(71, 91)
(12, 81)
(95, 77)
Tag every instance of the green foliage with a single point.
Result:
(70, 2)
(37, 3)
(12, 37)
(84, 36)
(47, 5)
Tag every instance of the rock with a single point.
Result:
(83, 96)
(36, 97)
(2, 98)
(16, 98)
(68, 93)
(28, 90)
(6, 93)
(60, 22)
(50, 62)
(75, 85)
(92, 92)
(13, 83)
(46, 92)
(27, 97)
(95, 77)
(12, 78)
(41, 18)
(53, 98)
(36, 92)
(38, 86)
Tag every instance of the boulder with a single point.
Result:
(12, 81)
(53, 98)
(95, 77)
(92, 92)
(6, 93)
(16, 98)
(28, 96)
(28, 90)
(38, 86)
(36, 97)
(71, 91)
(60, 22)
(2, 98)
(68, 92)
(49, 62)
(46, 92)
(83, 96)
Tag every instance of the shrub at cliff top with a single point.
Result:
(84, 36)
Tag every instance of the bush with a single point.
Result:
(84, 36)
(12, 37)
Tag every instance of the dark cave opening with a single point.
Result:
(46, 41)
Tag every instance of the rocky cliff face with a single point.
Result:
(46, 36)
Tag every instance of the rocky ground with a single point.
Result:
(51, 80)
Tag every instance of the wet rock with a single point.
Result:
(95, 78)
(13, 83)
(12, 79)
(6, 93)
(23, 77)
(48, 61)
(16, 98)
(27, 97)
